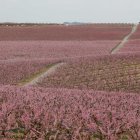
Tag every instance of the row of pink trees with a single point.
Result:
(37, 113)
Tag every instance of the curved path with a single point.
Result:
(126, 38)
(43, 75)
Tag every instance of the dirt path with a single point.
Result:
(126, 38)
(43, 75)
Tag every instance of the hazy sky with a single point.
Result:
(69, 10)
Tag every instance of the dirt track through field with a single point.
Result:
(40, 77)
(126, 38)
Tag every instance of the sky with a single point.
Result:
(59, 11)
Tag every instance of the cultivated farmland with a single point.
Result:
(62, 82)
(30, 113)
(136, 35)
(30, 50)
(65, 33)
(19, 71)
(119, 73)
(131, 47)
(133, 44)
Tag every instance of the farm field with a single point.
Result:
(75, 114)
(136, 35)
(120, 73)
(19, 71)
(61, 82)
(133, 44)
(30, 50)
(65, 33)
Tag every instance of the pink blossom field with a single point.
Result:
(14, 72)
(136, 35)
(133, 45)
(92, 94)
(108, 73)
(87, 32)
(37, 113)
(54, 49)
